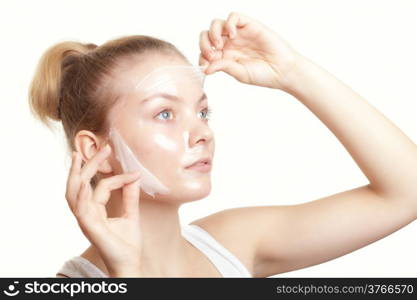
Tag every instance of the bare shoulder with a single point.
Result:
(236, 230)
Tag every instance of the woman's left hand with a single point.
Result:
(247, 50)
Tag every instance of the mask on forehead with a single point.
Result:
(173, 80)
(164, 78)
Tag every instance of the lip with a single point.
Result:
(201, 165)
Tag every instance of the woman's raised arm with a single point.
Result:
(284, 238)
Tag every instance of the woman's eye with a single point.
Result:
(207, 113)
(165, 114)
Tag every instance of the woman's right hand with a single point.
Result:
(118, 240)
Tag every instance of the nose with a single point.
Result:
(201, 133)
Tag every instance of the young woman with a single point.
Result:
(81, 84)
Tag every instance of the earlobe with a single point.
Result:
(88, 144)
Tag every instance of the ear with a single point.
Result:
(88, 144)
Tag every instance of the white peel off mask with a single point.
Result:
(129, 162)
(163, 78)
(179, 80)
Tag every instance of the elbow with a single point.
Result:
(403, 199)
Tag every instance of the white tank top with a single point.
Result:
(226, 263)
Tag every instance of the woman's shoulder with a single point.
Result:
(224, 226)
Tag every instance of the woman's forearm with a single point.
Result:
(386, 156)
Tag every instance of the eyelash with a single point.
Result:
(208, 113)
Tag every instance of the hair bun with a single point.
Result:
(45, 88)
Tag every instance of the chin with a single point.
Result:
(185, 194)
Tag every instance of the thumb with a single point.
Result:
(228, 66)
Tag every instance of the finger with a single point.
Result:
(105, 186)
(131, 195)
(75, 165)
(202, 61)
(206, 48)
(92, 227)
(215, 33)
(73, 181)
(235, 20)
(229, 66)
(91, 166)
(81, 207)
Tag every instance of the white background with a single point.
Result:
(270, 149)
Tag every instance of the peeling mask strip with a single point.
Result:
(148, 182)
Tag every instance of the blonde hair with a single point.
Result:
(70, 81)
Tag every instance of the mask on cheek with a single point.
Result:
(161, 80)
(130, 163)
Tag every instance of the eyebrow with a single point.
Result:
(171, 97)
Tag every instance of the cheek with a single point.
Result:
(164, 150)
(165, 143)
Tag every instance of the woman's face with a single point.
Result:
(164, 122)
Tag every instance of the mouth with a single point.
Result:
(201, 165)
